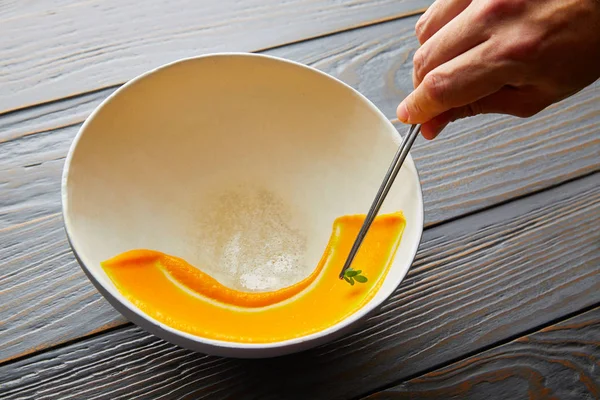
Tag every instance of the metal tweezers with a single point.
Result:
(384, 189)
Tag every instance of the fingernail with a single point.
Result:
(403, 113)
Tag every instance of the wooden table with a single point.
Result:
(503, 299)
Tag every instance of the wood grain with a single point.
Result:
(54, 49)
(558, 362)
(51, 298)
(494, 158)
(476, 281)
(477, 163)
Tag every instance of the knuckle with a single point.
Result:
(524, 48)
(474, 109)
(420, 28)
(435, 88)
(470, 110)
(493, 10)
(419, 64)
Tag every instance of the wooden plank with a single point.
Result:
(477, 281)
(50, 300)
(492, 158)
(558, 362)
(478, 163)
(54, 49)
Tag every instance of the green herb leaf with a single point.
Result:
(350, 274)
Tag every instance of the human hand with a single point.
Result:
(500, 56)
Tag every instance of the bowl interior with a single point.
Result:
(237, 163)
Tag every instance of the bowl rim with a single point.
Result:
(158, 326)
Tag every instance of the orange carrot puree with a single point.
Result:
(179, 295)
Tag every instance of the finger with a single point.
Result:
(507, 100)
(520, 102)
(437, 15)
(461, 81)
(455, 38)
(432, 128)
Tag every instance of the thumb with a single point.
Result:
(508, 100)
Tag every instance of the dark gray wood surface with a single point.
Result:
(478, 281)
(558, 362)
(53, 49)
(512, 209)
(477, 163)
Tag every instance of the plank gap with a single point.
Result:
(518, 197)
(489, 347)
(126, 360)
(343, 27)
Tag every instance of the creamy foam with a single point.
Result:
(250, 240)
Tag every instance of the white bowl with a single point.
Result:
(151, 165)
